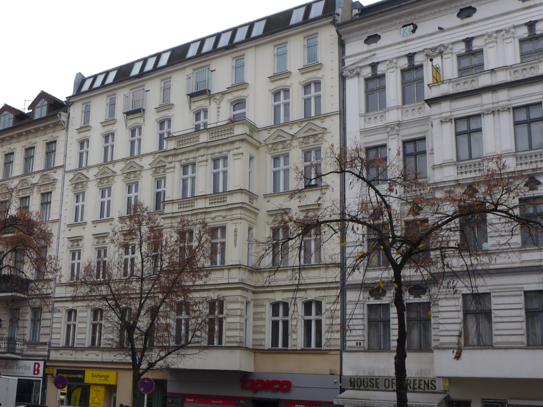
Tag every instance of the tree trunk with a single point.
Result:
(136, 402)
(401, 353)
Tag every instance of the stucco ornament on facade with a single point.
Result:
(393, 130)
(439, 50)
(79, 182)
(351, 72)
(508, 32)
(46, 183)
(490, 36)
(392, 63)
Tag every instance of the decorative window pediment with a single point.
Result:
(79, 182)
(46, 183)
(132, 171)
(25, 184)
(310, 134)
(279, 140)
(104, 172)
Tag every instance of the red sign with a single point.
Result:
(267, 385)
(146, 385)
(60, 382)
(210, 401)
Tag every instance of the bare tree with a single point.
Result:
(141, 290)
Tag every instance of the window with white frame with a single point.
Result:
(105, 203)
(45, 207)
(280, 246)
(215, 322)
(250, 246)
(35, 324)
(419, 326)
(50, 153)
(281, 58)
(312, 99)
(40, 110)
(70, 327)
(188, 180)
(251, 174)
(29, 160)
(413, 85)
(218, 246)
(379, 326)
(311, 54)
(135, 141)
(415, 159)
(111, 104)
(477, 319)
(132, 196)
(160, 193)
(108, 147)
(200, 120)
(182, 323)
(311, 247)
(219, 173)
(164, 131)
(279, 324)
(528, 121)
(8, 165)
(165, 91)
(186, 245)
(280, 173)
(75, 265)
(79, 207)
(281, 106)
(239, 110)
(6, 120)
(469, 138)
(85, 114)
(312, 167)
(83, 154)
(129, 260)
(376, 95)
(97, 324)
(24, 203)
(471, 63)
(136, 99)
(101, 263)
(313, 324)
(377, 164)
(238, 70)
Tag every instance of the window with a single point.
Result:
(126, 318)
(105, 203)
(279, 324)
(29, 160)
(35, 324)
(532, 209)
(258, 28)
(241, 33)
(164, 131)
(188, 180)
(136, 99)
(6, 120)
(379, 326)
(376, 95)
(238, 70)
(281, 106)
(83, 156)
(419, 326)
(414, 230)
(469, 138)
(280, 173)
(377, 164)
(182, 323)
(19, 262)
(311, 54)
(477, 320)
(312, 168)
(45, 209)
(4, 208)
(136, 68)
(415, 160)
(135, 141)
(311, 247)
(312, 99)
(110, 77)
(220, 175)
(101, 263)
(160, 193)
(24, 203)
(413, 85)
(248, 324)
(473, 231)
(316, 9)
(186, 243)
(377, 255)
(280, 245)
(208, 44)
(313, 324)
(132, 195)
(165, 91)
(85, 114)
(250, 246)
(70, 327)
(75, 265)
(297, 15)
(200, 120)
(129, 260)
(41, 109)
(13, 329)
(251, 174)
(531, 49)
(153, 318)
(534, 317)
(108, 147)
(79, 207)
(528, 127)
(96, 327)
(215, 320)
(163, 58)
(8, 165)
(218, 246)
(239, 110)
(471, 63)
(225, 39)
(50, 153)
(281, 58)
(111, 102)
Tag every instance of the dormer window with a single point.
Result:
(41, 109)
(6, 120)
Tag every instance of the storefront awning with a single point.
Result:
(356, 398)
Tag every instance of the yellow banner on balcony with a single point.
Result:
(100, 377)
(96, 396)
(436, 75)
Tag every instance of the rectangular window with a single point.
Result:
(4, 208)
(200, 120)
(79, 207)
(477, 319)
(238, 70)
(279, 322)
(281, 55)
(13, 329)
(101, 263)
(376, 95)
(70, 327)
(108, 147)
(83, 155)
(75, 265)
(85, 114)
(220, 175)
(281, 106)
(251, 174)
(215, 322)
(413, 85)
(186, 245)
(250, 246)
(313, 324)
(378, 326)
(50, 153)
(473, 231)
(312, 99)
(45, 208)
(377, 256)
(419, 326)
(129, 260)
(111, 103)
(531, 49)
(97, 325)
(8, 165)
(311, 247)
(164, 131)
(105, 203)
(534, 317)
(532, 209)
(165, 91)
(414, 230)
(29, 160)
(280, 245)
(160, 193)
(182, 323)
(528, 127)
(312, 168)
(218, 246)
(311, 53)
(471, 63)
(19, 262)
(126, 316)
(469, 138)
(280, 173)
(415, 159)
(135, 141)
(132, 196)
(377, 164)
(24, 203)
(248, 324)
(188, 180)
(35, 324)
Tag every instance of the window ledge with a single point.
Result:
(96, 221)
(310, 68)
(279, 76)
(284, 193)
(164, 107)
(108, 122)
(237, 86)
(83, 129)
(71, 225)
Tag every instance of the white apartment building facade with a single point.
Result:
(486, 103)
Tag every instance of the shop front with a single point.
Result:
(88, 388)
(29, 374)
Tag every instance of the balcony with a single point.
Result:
(12, 346)
(199, 83)
(236, 198)
(13, 287)
(134, 102)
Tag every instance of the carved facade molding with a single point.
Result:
(393, 130)
(508, 32)
(490, 37)
(46, 183)
(392, 63)
(447, 119)
(439, 50)
(352, 72)
(159, 170)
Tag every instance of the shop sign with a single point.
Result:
(73, 376)
(96, 396)
(100, 377)
(49, 370)
(265, 385)
(414, 384)
(21, 368)
(193, 400)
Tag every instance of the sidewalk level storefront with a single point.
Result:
(29, 374)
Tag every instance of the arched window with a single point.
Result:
(6, 120)
(312, 324)
(281, 106)
(107, 147)
(239, 110)
(164, 131)
(182, 323)
(70, 327)
(200, 119)
(279, 322)
(41, 109)
(135, 141)
(312, 99)
(96, 328)
(215, 319)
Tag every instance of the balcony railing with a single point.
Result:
(199, 82)
(11, 283)
(134, 102)
(11, 345)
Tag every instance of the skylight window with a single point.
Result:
(258, 28)
(225, 37)
(110, 77)
(86, 85)
(149, 64)
(99, 80)
(316, 9)
(136, 68)
(208, 44)
(242, 33)
(164, 58)
(297, 15)
(193, 49)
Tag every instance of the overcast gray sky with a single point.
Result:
(46, 43)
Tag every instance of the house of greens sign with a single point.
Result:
(386, 383)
